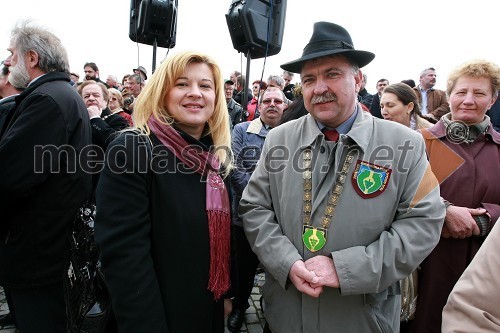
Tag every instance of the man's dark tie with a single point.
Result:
(330, 135)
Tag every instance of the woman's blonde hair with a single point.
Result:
(151, 102)
(475, 68)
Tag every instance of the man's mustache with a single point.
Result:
(324, 98)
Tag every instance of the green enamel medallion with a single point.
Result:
(314, 238)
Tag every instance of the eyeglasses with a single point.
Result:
(276, 101)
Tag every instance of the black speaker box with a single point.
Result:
(153, 19)
(257, 26)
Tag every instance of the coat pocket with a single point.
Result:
(385, 307)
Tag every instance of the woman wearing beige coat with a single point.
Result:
(473, 304)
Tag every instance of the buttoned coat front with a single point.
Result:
(374, 242)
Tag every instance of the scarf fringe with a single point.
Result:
(219, 226)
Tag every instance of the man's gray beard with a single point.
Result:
(19, 76)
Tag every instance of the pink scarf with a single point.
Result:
(217, 202)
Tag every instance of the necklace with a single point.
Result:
(315, 238)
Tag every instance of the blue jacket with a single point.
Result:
(247, 141)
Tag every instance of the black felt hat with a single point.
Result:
(328, 39)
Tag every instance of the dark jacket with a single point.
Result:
(235, 110)
(289, 91)
(239, 96)
(40, 193)
(375, 107)
(365, 97)
(494, 114)
(6, 105)
(104, 129)
(152, 230)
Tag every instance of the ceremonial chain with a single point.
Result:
(315, 238)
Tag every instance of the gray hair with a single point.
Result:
(283, 97)
(137, 78)
(424, 72)
(277, 79)
(52, 55)
(114, 78)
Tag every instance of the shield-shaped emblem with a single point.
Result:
(314, 238)
(370, 180)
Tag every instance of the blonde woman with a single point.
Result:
(163, 223)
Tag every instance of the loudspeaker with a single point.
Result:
(153, 19)
(257, 26)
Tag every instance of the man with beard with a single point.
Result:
(43, 184)
(433, 102)
(341, 205)
(92, 73)
(247, 141)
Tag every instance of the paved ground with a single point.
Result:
(254, 318)
(3, 310)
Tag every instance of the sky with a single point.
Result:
(406, 38)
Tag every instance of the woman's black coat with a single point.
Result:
(152, 231)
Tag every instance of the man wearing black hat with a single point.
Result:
(341, 205)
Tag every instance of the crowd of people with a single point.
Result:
(367, 212)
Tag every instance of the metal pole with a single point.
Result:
(153, 67)
(245, 84)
